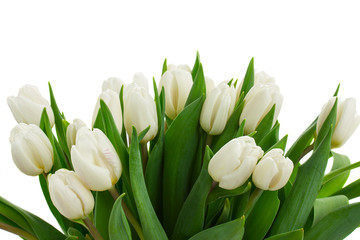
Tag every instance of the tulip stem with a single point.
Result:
(254, 197)
(92, 229)
(144, 155)
(17, 231)
(209, 139)
(306, 151)
(114, 193)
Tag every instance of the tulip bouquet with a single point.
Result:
(193, 162)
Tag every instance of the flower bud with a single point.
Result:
(141, 80)
(259, 101)
(140, 112)
(95, 160)
(112, 100)
(185, 67)
(177, 85)
(69, 194)
(28, 106)
(210, 85)
(347, 120)
(233, 164)
(217, 108)
(113, 83)
(273, 171)
(31, 149)
(72, 130)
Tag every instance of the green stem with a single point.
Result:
(92, 229)
(254, 197)
(114, 193)
(17, 231)
(144, 155)
(306, 151)
(209, 139)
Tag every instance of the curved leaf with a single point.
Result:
(293, 235)
(119, 228)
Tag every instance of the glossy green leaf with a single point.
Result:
(265, 125)
(233, 230)
(351, 191)
(164, 68)
(198, 88)
(218, 192)
(324, 206)
(337, 224)
(180, 148)
(119, 228)
(192, 214)
(103, 204)
(271, 138)
(196, 66)
(150, 223)
(293, 235)
(249, 78)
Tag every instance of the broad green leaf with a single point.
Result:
(351, 191)
(204, 140)
(218, 192)
(198, 88)
(151, 225)
(271, 138)
(196, 66)
(233, 230)
(119, 228)
(180, 148)
(336, 183)
(103, 204)
(10, 226)
(280, 144)
(249, 78)
(192, 214)
(225, 214)
(262, 216)
(213, 212)
(337, 224)
(340, 171)
(293, 235)
(238, 205)
(164, 68)
(324, 206)
(265, 125)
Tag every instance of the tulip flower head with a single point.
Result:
(185, 67)
(140, 112)
(234, 163)
(95, 160)
(210, 85)
(112, 83)
(72, 130)
(259, 101)
(273, 170)
(69, 194)
(177, 84)
(28, 106)
(217, 108)
(141, 80)
(347, 120)
(31, 149)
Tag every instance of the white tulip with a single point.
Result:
(31, 149)
(217, 108)
(112, 83)
(259, 100)
(112, 100)
(95, 160)
(69, 194)
(347, 120)
(185, 67)
(273, 170)
(72, 130)
(141, 80)
(177, 85)
(28, 106)
(210, 85)
(140, 112)
(233, 164)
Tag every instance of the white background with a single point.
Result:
(308, 47)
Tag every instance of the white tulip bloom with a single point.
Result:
(234, 163)
(31, 149)
(95, 160)
(210, 85)
(217, 108)
(347, 120)
(28, 106)
(140, 112)
(259, 101)
(273, 171)
(112, 100)
(113, 83)
(69, 194)
(177, 85)
(141, 80)
(72, 130)
(185, 67)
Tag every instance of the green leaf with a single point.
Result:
(198, 88)
(192, 214)
(218, 192)
(103, 204)
(164, 68)
(280, 144)
(238, 205)
(336, 183)
(150, 223)
(324, 206)
(249, 78)
(225, 214)
(297, 206)
(262, 216)
(337, 224)
(265, 125)
(119, 228)
(271, 138)
(180, 147)
(233, 230)
(339, 171)
(293, 235)
(351, 191)
(74, 234)
(123, 130)
(196, 66)
(213, 212)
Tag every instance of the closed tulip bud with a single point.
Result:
(259, 101)
(72, 130)
(95, 160)
(273, 171)
(234, 163)
(347, 120)
(140, 112)
(28, 106)
(31, 149)
(141, 80)
(185, 67)
(217, 108)
(177, 85)
(112, 100)
(210, 85)
(69, 194)
(113, 83)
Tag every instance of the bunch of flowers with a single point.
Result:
(195, 162)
